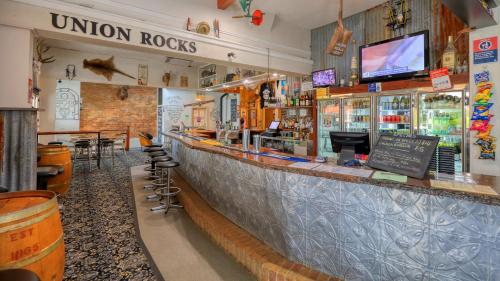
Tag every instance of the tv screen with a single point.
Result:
(323, 78)
(398, 58)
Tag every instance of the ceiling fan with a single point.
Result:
(257, 16)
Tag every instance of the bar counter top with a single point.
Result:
(478, 188)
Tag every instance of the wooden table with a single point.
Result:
(87, 132)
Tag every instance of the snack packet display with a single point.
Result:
(479, 125)
(482, 77)
(485, 133)
(481, 115)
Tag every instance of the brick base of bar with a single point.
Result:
(265, 263)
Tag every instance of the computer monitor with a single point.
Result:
(274, 125)
(349, 144)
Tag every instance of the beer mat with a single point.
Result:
(343, 170)
(465, 187)
(378, 175)
(304, 165)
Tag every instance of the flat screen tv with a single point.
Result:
(395, 59)
(323, 78)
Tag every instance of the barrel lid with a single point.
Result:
(16, 205)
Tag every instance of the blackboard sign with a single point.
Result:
(404, 155)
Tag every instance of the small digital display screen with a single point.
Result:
(323, 78)
(274, 125)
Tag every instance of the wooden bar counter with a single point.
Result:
(347, 224)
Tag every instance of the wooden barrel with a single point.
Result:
(58, 155)
(31, 234)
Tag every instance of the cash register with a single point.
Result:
(273, 130)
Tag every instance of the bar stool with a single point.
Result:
(151, 169)
(157, 182)
(55, 143)
(151, 149)
(43, 174)
(166, 193)
(83, 152)
(108, 149)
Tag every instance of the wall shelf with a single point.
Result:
(472, 12)
(399, 85)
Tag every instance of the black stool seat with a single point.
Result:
(82, 144)
(153, 145)
(60, 169)
(162, 158)
(107, 142)
(153, 149)
(46, 171)
(55, 143)
(170, 164)
(18, 274)
(157, 153)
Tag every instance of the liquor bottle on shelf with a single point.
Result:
(395, 103)
(449, 58)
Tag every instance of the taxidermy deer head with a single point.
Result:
(123, 95)
(41, 49)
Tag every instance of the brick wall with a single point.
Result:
(103, 109)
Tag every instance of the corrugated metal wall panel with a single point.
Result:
(371, 26)
(20, 142)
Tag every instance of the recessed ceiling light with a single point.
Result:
(275, 74)
(246, 81)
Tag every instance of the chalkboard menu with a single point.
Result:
(404, 155)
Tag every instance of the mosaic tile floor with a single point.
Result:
(98, 219)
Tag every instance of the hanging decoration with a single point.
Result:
(105, 68)
(256, 17)
(340, 38)
(481, 116)
(399, 14)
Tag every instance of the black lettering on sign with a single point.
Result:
(85, 26)
(146, 38)
(192, 47)
(56, 24)
(107, 30)
(403, 155)
(169, 40)
(159, 41)
(123, 33)
(182, 46)
(82, 25)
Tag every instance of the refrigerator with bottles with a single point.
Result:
(329, 119)
(444, 114)
(394, 112)
(356, 114)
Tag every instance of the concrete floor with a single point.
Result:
(180, 250)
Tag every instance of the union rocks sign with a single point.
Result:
(119, 33)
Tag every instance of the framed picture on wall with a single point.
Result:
(199, 117)
(142, 75)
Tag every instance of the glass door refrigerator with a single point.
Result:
(357, 114)
(443, 115)
(328, 120)
(394, 115)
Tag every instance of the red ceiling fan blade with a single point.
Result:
(224, 4)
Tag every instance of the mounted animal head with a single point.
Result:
(41, 49)
(123, 94)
